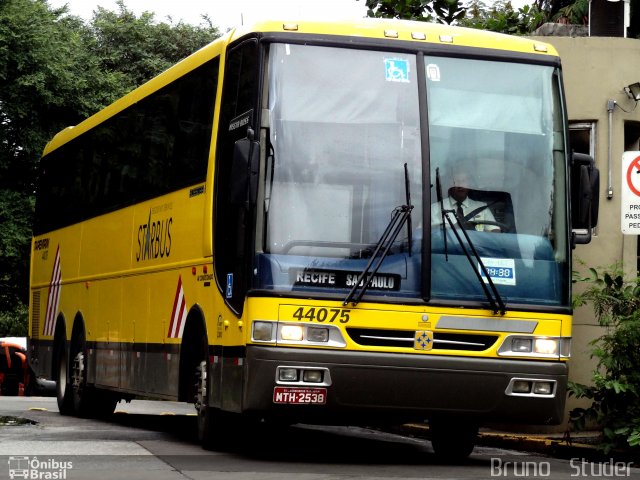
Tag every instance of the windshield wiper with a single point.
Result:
(399, 217)
(495, 300)
(441, 202)
(407, 191)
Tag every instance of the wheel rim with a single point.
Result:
(200, 399)
(77, 376)
(62, 376)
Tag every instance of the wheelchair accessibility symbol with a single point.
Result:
(396, 70)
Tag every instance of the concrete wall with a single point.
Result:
(595, 70)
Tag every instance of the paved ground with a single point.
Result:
(155, 441)
(558, 445)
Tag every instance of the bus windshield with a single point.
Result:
(342, 125)
(496, 138)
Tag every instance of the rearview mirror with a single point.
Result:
(585, 196)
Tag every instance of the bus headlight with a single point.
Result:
(316, 334)
(546, 346)
(281, 333)
(291, 332)
(543, 347)
(522, 345)
(263, 331)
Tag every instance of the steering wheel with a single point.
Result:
(503, 226)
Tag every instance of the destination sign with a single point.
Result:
(311, 277)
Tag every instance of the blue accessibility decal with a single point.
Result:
(396, 70)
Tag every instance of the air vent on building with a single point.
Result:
(608, 18)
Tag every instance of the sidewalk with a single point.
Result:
(581, 445)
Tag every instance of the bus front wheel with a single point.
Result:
(208, 417)
(452, 441)
(217, 429)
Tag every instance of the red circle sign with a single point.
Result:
(633, 166)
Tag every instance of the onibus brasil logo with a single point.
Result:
(32, 468)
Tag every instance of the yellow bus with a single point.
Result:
(360, 223)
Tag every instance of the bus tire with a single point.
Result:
(452, 441)
(206, 414)
(64, 392)
(81, 392)
(88, 401)
(103, 403)
(212, 422)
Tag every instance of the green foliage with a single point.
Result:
(15, 236)
(56, 70)
(552, 7)
(442, 11)
(503, 18)
(576, 13)
(140, 47)
(499, 17)
(13, 323)
(615, 393)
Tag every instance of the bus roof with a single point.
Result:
(406, 30)
(369, 28)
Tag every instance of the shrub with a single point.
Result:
(615, 393)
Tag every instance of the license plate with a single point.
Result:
(300, 395)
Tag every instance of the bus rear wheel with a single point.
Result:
(81, 400)
(88, 401)
(64, 392)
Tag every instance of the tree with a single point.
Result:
(502, 17)
(139, 47)
(56, 70)
(576, 13)
(47, 81)
(446, 11)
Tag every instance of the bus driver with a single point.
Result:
(476, 215)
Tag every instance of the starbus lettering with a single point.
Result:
(154, 239)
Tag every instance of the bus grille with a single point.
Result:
(406, 338)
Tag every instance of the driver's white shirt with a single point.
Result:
(468, 206)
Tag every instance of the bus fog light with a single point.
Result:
(312, 376)
(547, 346)
(317, 334)
(291, 332)
(263, 331)
(521, 345)
(288, 374)
(543, 388)
(521, 386)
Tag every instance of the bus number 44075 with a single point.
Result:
(322, 314)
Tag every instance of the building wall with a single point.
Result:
(595, 70)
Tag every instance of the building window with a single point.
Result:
(582, 139)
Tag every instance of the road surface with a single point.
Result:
(156, 441)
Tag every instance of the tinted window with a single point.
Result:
(154, 147)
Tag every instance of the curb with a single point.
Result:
(549, 445)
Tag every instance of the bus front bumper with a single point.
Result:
(375, 388)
